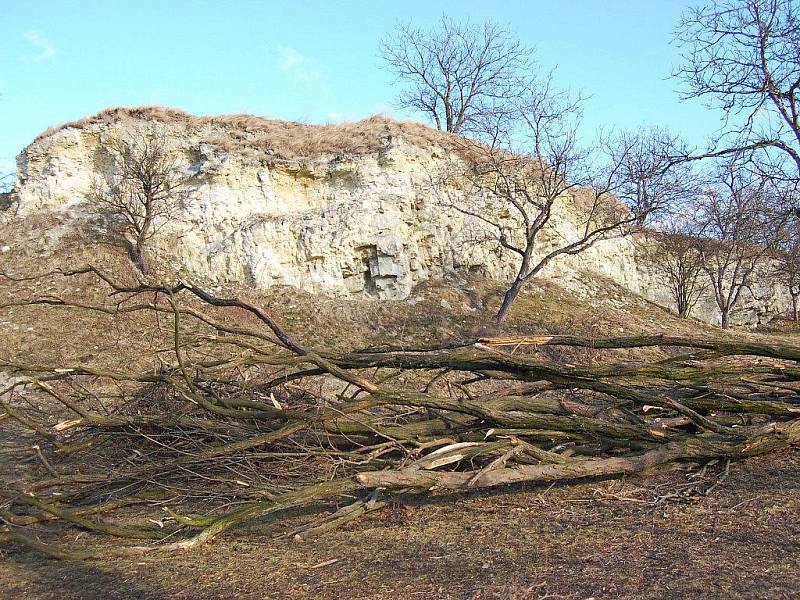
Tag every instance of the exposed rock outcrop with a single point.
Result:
(339, 209)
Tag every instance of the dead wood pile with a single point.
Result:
(238, 422)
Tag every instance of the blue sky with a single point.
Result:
(313, 60)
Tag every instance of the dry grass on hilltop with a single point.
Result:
(283, 140)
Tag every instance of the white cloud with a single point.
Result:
(45, 49)
(290, 58)
(298, 65)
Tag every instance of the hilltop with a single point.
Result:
(274, 139)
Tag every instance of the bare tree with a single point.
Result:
(649, 180)
(6, 182)
(457, 74)
(528, 175)
(7, 195)
(741, 221)
(677, 260)
(143, 188)
(787, 260)
(743, 56)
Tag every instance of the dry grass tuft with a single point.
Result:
(282, 140)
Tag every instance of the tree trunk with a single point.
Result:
(144, 234)
(140, 260)
(795, 308)
(725, 319)
(682, 306)
(508, 299)
(136, 255)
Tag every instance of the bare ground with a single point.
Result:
(601, 539)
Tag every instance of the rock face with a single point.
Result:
(331, 218)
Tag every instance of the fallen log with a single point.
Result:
(242, 414)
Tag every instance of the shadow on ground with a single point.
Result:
(601, 539)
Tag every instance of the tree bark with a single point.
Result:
(508, 299)
(140, 260)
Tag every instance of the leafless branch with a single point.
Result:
(459, 75)
(143, 187)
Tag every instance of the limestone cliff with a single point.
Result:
(341, 209)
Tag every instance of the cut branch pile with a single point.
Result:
(237, 422)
